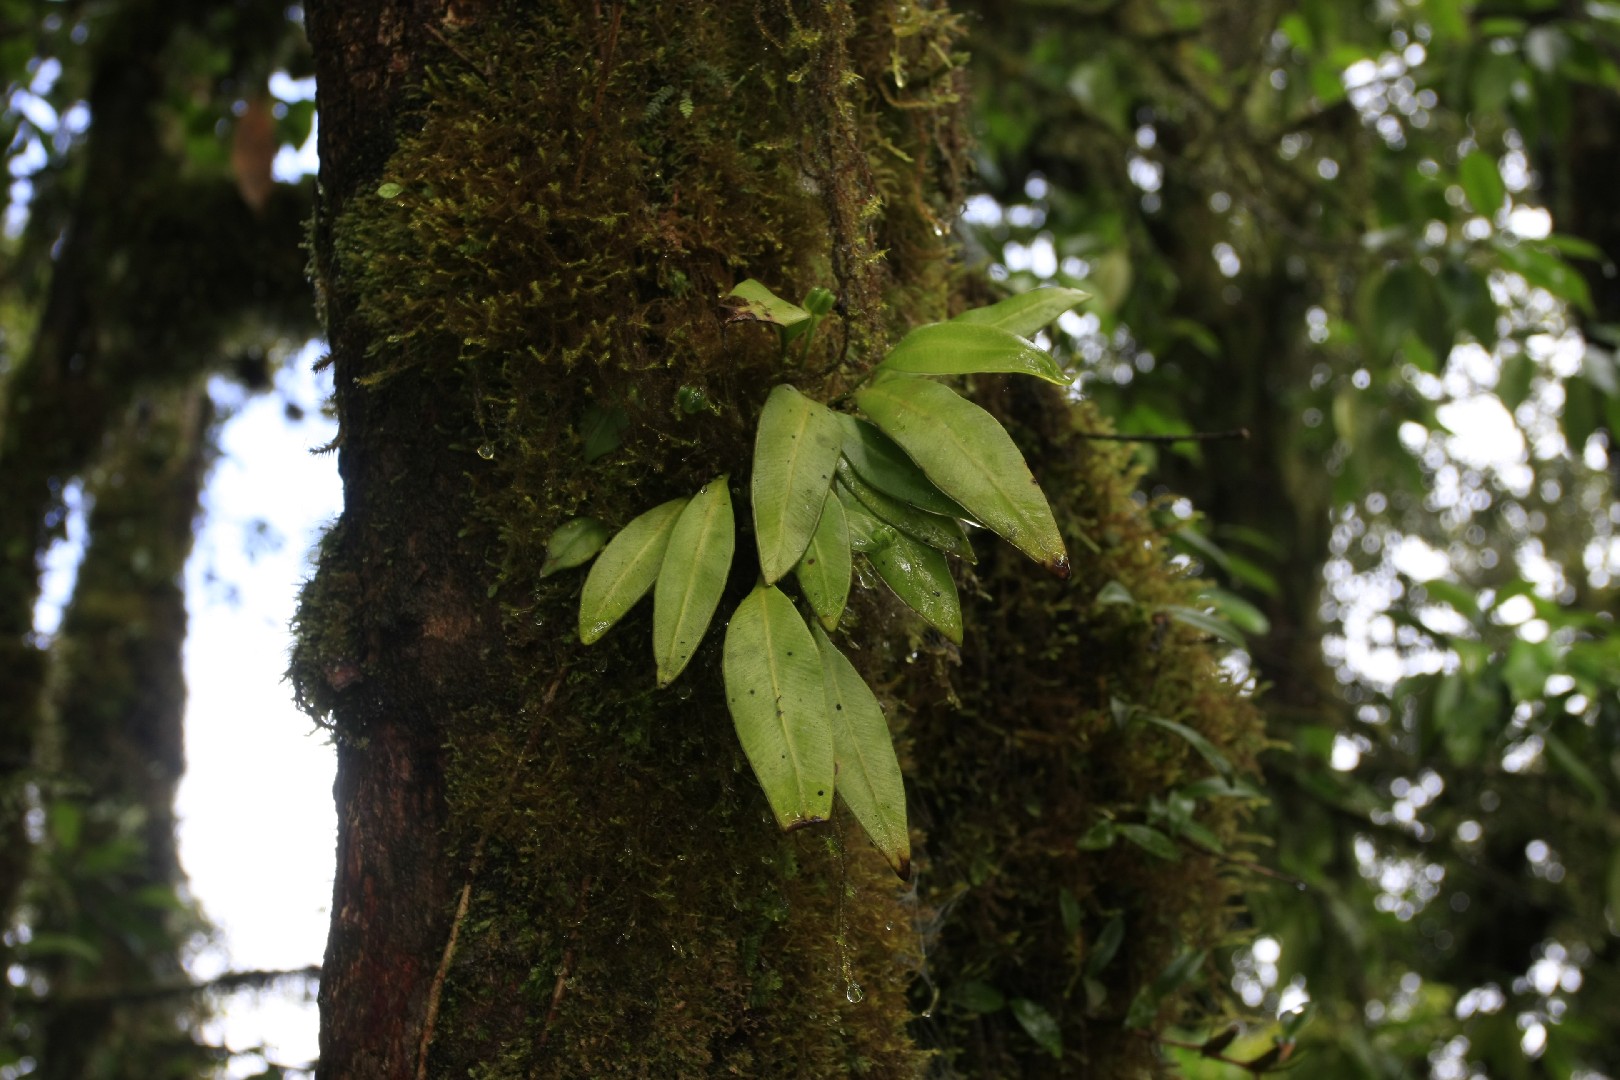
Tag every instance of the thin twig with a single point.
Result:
(608, 50)
(474, 865)
(1241, 433)
(438, 34)
(570, 955)
(229, 982)
(1258, 868)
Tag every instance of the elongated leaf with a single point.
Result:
(824, 570)
(942, 533)
(762, 305)
(868, 771)
(978, 996)
(1213, 625)
(970, 457)
(1041, 1025)
(1151, 840)
(920, 576)
(795, 455)
(574, 543)
(1109, 939)
(966, 348)
(625, 570)
(778, 702)
(1206, 749)
(878, 461)
(1237, 611)
(1481, 181)
(866, 533)
(1027, 312)
(692, 577)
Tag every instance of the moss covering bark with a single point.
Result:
(546, 867)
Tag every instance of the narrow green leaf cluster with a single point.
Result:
(899, 488)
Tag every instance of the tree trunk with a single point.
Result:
(547, 868)
(117, 758)
(544, 868)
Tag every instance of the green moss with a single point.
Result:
(556, 239)
(1029, 756)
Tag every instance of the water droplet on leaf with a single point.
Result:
(486, 451)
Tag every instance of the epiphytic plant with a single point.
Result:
(894, 487)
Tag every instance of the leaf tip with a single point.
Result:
(1060, 567)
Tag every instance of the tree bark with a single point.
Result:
(543, 868)
(547, 868)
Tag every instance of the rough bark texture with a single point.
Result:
(463, 759)
(546, 867)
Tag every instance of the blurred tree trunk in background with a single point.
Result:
(116, 756)
(139, 271)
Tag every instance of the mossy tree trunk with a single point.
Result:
(546, 867)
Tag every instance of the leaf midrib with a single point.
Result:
(781, 713)
(949, 433)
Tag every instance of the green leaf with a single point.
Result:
(1151, 840)
(1069, 908)
(1559, 752)
(878, 461)
(795, 455)
(1482, 182)
(574, 543)
(778, 702)
(868, 771)
(1040, 1024)
(1216, 787)
(866, 533)
(1145, 1008)
(1109, 939)
(1237, 611)
(692, 577)
(65, 821)
(825, 568)
(920, 576)
(967, 348)
(762, 305)
(602, 430)
(625, 570)
(971, 458)
(942, 533)
(978, 996)
(1099, 837)
(1194, 739)
(1213, 625)
(1026, 313)
(45, 943)
(1114, 593)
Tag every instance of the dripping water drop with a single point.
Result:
(486, 451)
